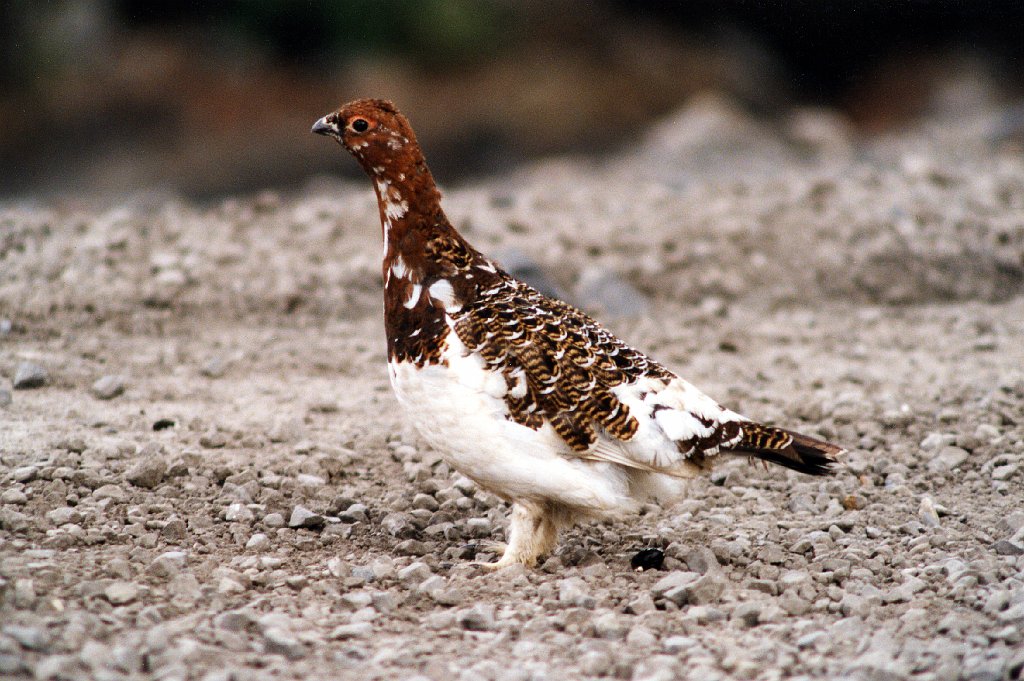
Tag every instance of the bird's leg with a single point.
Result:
(532, 533)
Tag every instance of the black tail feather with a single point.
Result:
(802, 453)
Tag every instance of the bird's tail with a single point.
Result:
(800, 452)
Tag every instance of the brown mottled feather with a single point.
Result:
(569, 361)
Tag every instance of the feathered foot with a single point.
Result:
(532, 534)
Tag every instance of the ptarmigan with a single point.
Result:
(525, 395)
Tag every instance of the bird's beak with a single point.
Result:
(323, 127)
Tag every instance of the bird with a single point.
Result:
(526, 395)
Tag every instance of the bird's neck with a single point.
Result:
(421, 249)
(411, 216)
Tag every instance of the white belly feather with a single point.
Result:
(459, 409)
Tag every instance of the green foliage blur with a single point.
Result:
(39, 38)
(432, 32)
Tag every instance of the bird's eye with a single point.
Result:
(360, 125)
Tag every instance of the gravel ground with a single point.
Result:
(204, 475)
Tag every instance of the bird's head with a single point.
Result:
(373, 131)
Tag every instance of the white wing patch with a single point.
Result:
(442, 291)
(678, 424)
(668, 414)
(414, 296)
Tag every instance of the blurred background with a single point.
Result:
(206, 98)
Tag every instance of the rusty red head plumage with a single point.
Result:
(375, 133)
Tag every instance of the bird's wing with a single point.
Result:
(605, 400)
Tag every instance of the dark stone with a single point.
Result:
(648, 559)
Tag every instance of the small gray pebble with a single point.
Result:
(273, 520)
(793, 604)
(357, 600)
(214, 367)
(310, 480)
(948, 458)
(383, 601)
(701, 560)
(425, 501)
(596, 663)
(59, 667)
(147, 473)
(641, 637)
(13, 520)
(30, 375)
(936, 440)
(24, 593)
(927, 513)
(641, 603)
(691, 588)
(811, 639)
(479, 527)
(184, 586)
(32, 638)
(398, 524)
(364, 572)
(13, 496)
(664, 668)
(672, 581)
(412, 547)
(95, 655)
(448, 597)
(25, 473)
(1006, 547)
(1004, 472)
(431, 585)
(355, 630)
(232, 620)
(414, 573)
(610, 626)
(1012, 522)
(477, 618)
(303, 517)
(854, 605)
(108, 387)
(238, 512)
(280, 641)
(5, 397)
(677, 644)
(356, 513)
(748, 614)
(574, 592)
(257, 541)
(297, 582)
(112, 492)
(213, 439)
(121, 593)
(168, 564)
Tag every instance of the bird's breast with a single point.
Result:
(419, 303)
